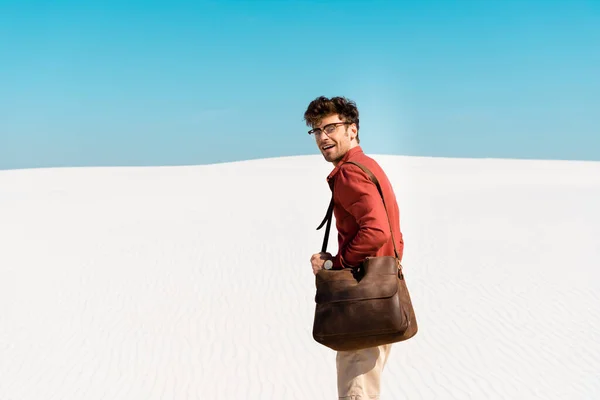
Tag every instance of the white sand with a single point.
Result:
(195, 282)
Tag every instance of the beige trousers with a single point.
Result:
(359, 372)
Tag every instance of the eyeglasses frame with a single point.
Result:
(316, 130)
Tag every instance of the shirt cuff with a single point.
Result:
(339, 263)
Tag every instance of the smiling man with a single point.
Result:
(361, 222)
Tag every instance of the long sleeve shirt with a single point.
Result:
(361, 220)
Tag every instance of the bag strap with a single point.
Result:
(328, 228)
(329, 213)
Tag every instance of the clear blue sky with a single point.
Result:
(170, 83)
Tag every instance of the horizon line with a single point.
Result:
(273, 158)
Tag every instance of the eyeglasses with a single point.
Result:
(328, 129)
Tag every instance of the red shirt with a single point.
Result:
(361, 221)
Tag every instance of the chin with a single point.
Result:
(329, 158)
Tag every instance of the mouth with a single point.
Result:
(327, 147)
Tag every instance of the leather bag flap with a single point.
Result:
(380, 281)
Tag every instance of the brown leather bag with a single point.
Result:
(363, 307)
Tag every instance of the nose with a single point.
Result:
(320, 141)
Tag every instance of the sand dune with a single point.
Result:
(195, 282)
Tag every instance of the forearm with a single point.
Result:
(366, 243)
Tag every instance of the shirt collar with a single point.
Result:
(350, 153)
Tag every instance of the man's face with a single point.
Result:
(335, 144)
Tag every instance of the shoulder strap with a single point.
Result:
(328, 228)
(330, 210)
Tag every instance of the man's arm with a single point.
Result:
(360, 198)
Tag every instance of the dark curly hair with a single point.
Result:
(321, 107)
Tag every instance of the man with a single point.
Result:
(361, 222)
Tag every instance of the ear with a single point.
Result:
(353, 130)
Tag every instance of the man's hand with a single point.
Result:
(317, 261)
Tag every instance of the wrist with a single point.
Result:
(336, 262)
